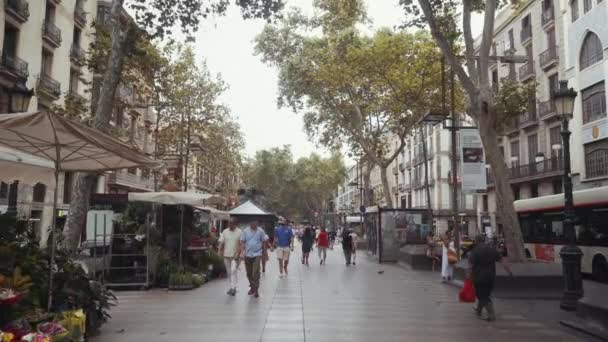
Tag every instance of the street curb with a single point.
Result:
(582, 326)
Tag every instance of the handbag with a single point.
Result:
(467, 293)
(452, 257)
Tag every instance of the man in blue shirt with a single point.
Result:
(283, 242)
(253, 243)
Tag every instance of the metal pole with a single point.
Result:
(571, 255)
(53, 235)
(181, 234)
(454, 129)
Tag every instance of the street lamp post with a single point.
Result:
(571, 255)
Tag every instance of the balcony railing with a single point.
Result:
(80, 16)
(546, 109)
(15, 66)
(526, 33)
(527, 119)
(51, 33)
(78, 55)
(130, 180)
(548, 16)
(597, 164)
(19, 9)
(49, 86)
(547, 167)
(526, 71)
(76, 97)
(549, 57)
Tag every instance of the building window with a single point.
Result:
(511, 40)
(574, 9)
(514, 153)
(67, 187)
(532, 148)
(534, 190)
(596, 159)
(73, 82)
(3, 190)
(11, 37)
(553, 84)
(557, 186)
(586, 6)
(515, 189)
(39, 193)
(555, 139)
(594, 103)
(484, 203)
(103, 14)
(591, 51)
(47, 63)
(495, 84)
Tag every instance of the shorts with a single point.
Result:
(283, 253)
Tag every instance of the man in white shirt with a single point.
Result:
(229, 243)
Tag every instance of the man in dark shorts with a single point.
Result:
(482, 262)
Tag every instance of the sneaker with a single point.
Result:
(256, 294)
(251, 292)
(354, 263)
(281, 276)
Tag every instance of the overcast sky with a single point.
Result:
(227, 45)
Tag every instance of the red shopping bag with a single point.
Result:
(467, 293)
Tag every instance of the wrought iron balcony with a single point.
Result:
(15, 66)
(549, 57)
(126, 179)
(548, 17)
(521, 173)
(526, 34)
(526, 71)
(51, 33)
(49, 86)
(546, 109)
(78, 55)
(76, 97)
(80, 16)
(527, 120)
(18, 9)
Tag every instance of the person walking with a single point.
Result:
(229, 248)
(447, 269)
(482, 263)
(322, 245)
(332, 238)
(354, 238)
(430, 250)
(347, 246)
(308, 239)
(283, 242)
(253, 243)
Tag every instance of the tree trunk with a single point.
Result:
(366, 173)
(385, 187)
(426, 169)
(504, 193)
(103, 113)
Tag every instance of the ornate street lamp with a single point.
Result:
(571, 255)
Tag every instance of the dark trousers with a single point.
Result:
(347, 255)
(483, 291)
(252, 266)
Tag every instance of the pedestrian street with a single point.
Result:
(333, 303)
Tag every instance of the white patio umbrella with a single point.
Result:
(71, 146)
(181, 198)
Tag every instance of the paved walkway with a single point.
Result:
(330, 303)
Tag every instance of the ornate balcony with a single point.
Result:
(548, 17)
(527, 120)
(526, 71)
(549, 57)
(522, 173)
(129, 180)
(546, 110)
(526, 34)
(14, 67)
(49, 87)
(80, 16)
(77, 55)
(51, 34)
(18, 9)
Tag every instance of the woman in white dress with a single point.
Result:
(447, 270)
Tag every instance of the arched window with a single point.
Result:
(39, 193)
(592, 51)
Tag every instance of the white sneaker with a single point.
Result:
(281, 276)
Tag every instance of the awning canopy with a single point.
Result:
(353, 219)
(249, 208)
(176, 198)
(16, 165)
(215, 213)
(72, 146)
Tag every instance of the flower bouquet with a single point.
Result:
(9, 297)
(36, 337)
(52, 329)
(18, 328)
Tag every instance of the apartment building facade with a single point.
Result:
(44, 44)
(562, 40)
(347, 199)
